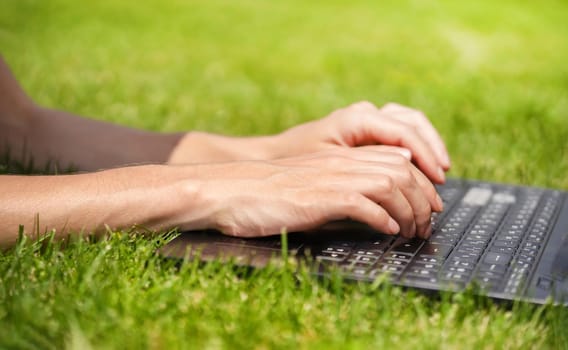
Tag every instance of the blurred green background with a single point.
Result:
(491, 75)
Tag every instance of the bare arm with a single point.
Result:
(253, 198)
(297, 186)
(66, 140)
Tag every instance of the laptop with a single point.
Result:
(505, 241)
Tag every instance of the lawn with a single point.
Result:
(492, 76)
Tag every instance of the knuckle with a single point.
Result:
(387, 185)
(351, 200)
(421, 115)
(401, 161)
(334, 160)
(391, 104)
(363, 105)
(423, 213)
(406, 178)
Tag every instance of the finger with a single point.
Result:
(405, 152)
(429, 190)
(419, 120)
(376, 155)
(414, 194)
(393, 132)
(355, 206)
(384, 191)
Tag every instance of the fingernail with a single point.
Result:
(439, 202)
(393, 226)
(441, 174)
(446, 160)
(406, 153)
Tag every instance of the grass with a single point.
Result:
(491, 76)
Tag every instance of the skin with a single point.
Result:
(370, 164)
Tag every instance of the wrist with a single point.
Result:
(202, 147)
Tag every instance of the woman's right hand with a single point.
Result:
(376, 185)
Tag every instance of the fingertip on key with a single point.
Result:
(394, 228)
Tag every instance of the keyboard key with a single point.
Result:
(501, 243)
(361, 252)
(394, 262)
(498, 268)
(430, 259)
(407, 246)
(422, 272)
(488, 283)
(337, 249)
(503, 250)
(435, 250)
(461, 263)
(455, 277)
(428, 266)
(399, 256)
(392, 269)
(331, 256)
(432, 281)
(366, 259)
(490, 274)
(458, 269)
(497, 258)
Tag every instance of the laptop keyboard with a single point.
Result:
(490, 235)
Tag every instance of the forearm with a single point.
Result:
(202, 147)
(65, 140)
(148, 196)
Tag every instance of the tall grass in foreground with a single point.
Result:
(491, 75)
(117, 293)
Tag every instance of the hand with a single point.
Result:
(381, 189)
(363, 124)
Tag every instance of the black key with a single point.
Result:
(442, 239)
(430, 259)
(423, 280)
(422, 272)
(399, 256)
(507, 237)
(498, 268)
(361, 252)
(331, 256)
(504, 250)
(337, 249)
(529, 252)
(407, 246)
(531, 246)
(465, 256)
(497, 258)
(429, 266)
(358, 272)
(435, 250)
(379, 245)
(488, 282)
(458, 269)
(392, 269)
(468, 248)
(455, 277)
(366, 259)
(525, 259)
(461, 263)
(501, 243)
(395, 262)
(490, 274)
